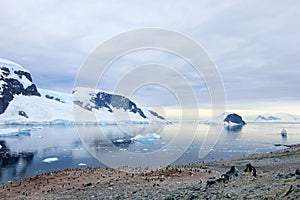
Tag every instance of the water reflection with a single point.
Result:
(112, 138)
(23, 156)
(13, 164)
(235, 128)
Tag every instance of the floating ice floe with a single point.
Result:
(146, 137)
(9, 132)
(14, 132)
(49, 160)
(123, 142)
(25, 132)
(82, 164)
(122, 149)
(0, 146)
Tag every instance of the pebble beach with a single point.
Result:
(277, 177)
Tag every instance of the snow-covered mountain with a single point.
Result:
(278, 117)
(107, 105)
(14, 80)
(22, 102)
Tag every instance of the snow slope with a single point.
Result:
(21, 105)
(59, 110)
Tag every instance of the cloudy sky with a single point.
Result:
(255, 45)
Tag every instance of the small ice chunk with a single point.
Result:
(36, 128)
(123, 149)
(49, 160)
(0, 146)
(82, 164)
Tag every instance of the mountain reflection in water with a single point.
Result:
(13, 163)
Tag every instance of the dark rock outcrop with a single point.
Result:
(108, 101)
(23, 114)
(22, 73)
(54, 98)
(234, 118)
(155, 114)
(234, 122)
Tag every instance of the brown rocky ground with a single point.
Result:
(276, 178)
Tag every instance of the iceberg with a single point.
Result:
(49, 160)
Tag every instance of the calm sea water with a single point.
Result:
(55, 148)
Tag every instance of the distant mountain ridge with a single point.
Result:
(278, 117)
(21, 101)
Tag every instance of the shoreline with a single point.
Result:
(276, 178)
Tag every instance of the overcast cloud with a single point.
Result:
(254, 44)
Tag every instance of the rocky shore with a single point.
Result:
(275, 175)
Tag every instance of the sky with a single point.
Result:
(254, 45)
